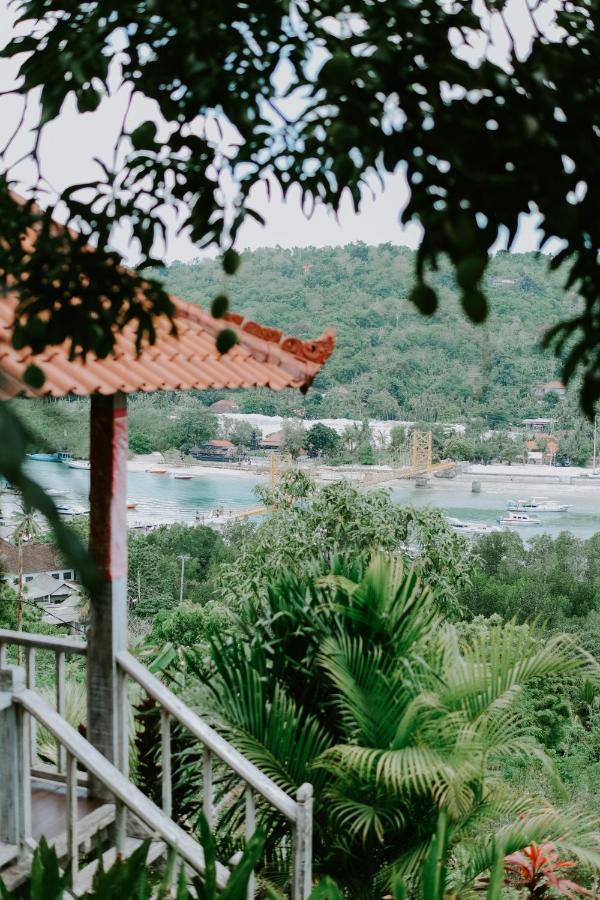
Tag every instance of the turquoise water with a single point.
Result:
(161, 498)
(456, 498)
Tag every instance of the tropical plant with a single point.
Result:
(131, 876)
(308, 523)
(538, 870)
(355, 681)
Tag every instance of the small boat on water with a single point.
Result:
(49, 457)
(78, 463)
(156, 470)
(131, 504)
(538, 505)
(469, 528)
(64, 510)
(519, 518)
(181, 476)
(54, 492)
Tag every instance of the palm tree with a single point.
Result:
(355, 681)
(26, 529)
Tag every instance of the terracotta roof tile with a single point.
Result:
(36, 558)
(264, 357)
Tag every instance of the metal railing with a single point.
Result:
(61, 647)
(79, 750)
(73, 748)
(297, 811)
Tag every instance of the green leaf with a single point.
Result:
(143, 136)
(231, 261)
(226, 339)
(474, 304)
(424, 298)
(220, 306)
(470, 270)
(34, 376)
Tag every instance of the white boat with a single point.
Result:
(519, 518)
(78, 463)
(54, 492)
(181, 476)
(538, 505)
(460, 527)
(65, 510)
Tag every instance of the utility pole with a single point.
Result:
(183, 558)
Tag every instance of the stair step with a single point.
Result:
(85, 877)
(19, 870)
(7, 853)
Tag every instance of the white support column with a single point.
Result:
(107, 634)
(15, 796)
(302, 859)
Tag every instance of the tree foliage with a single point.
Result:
(319, 95)
(356, 682)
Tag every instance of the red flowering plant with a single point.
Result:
(539, 870)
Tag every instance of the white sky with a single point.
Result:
(70, 143)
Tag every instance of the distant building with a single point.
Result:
(551, 387)
(38, 559)
(539, 424)
(224, 406)
(272, 441)
(215, 451)
(542, 448)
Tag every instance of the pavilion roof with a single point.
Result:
(264, 357)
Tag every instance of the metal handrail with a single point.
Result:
(80, 750)
(175, 707)
(61, 647)
(42, 641)
(297, 811)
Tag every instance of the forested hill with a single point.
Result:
(390, 361)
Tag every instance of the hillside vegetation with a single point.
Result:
(390, 361)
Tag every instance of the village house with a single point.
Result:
(538, 424)
(37, 560)
(551, 387)
(542, 448)
(223, 406)
(272, 441)
(218, 450)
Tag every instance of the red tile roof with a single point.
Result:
(264, 357)
(36, 558)
(220, 442)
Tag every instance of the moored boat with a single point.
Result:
(519, 518)
(469, 528)
(78, 463)
(156, 470)
(64, 510)
(181, 476)
(131, 504)
(538, 505)
(49, 457)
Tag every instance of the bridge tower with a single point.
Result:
(421, 450)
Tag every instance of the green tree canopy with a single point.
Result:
(321, 95)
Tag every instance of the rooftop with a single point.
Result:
(264, 357)
(36, 558)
